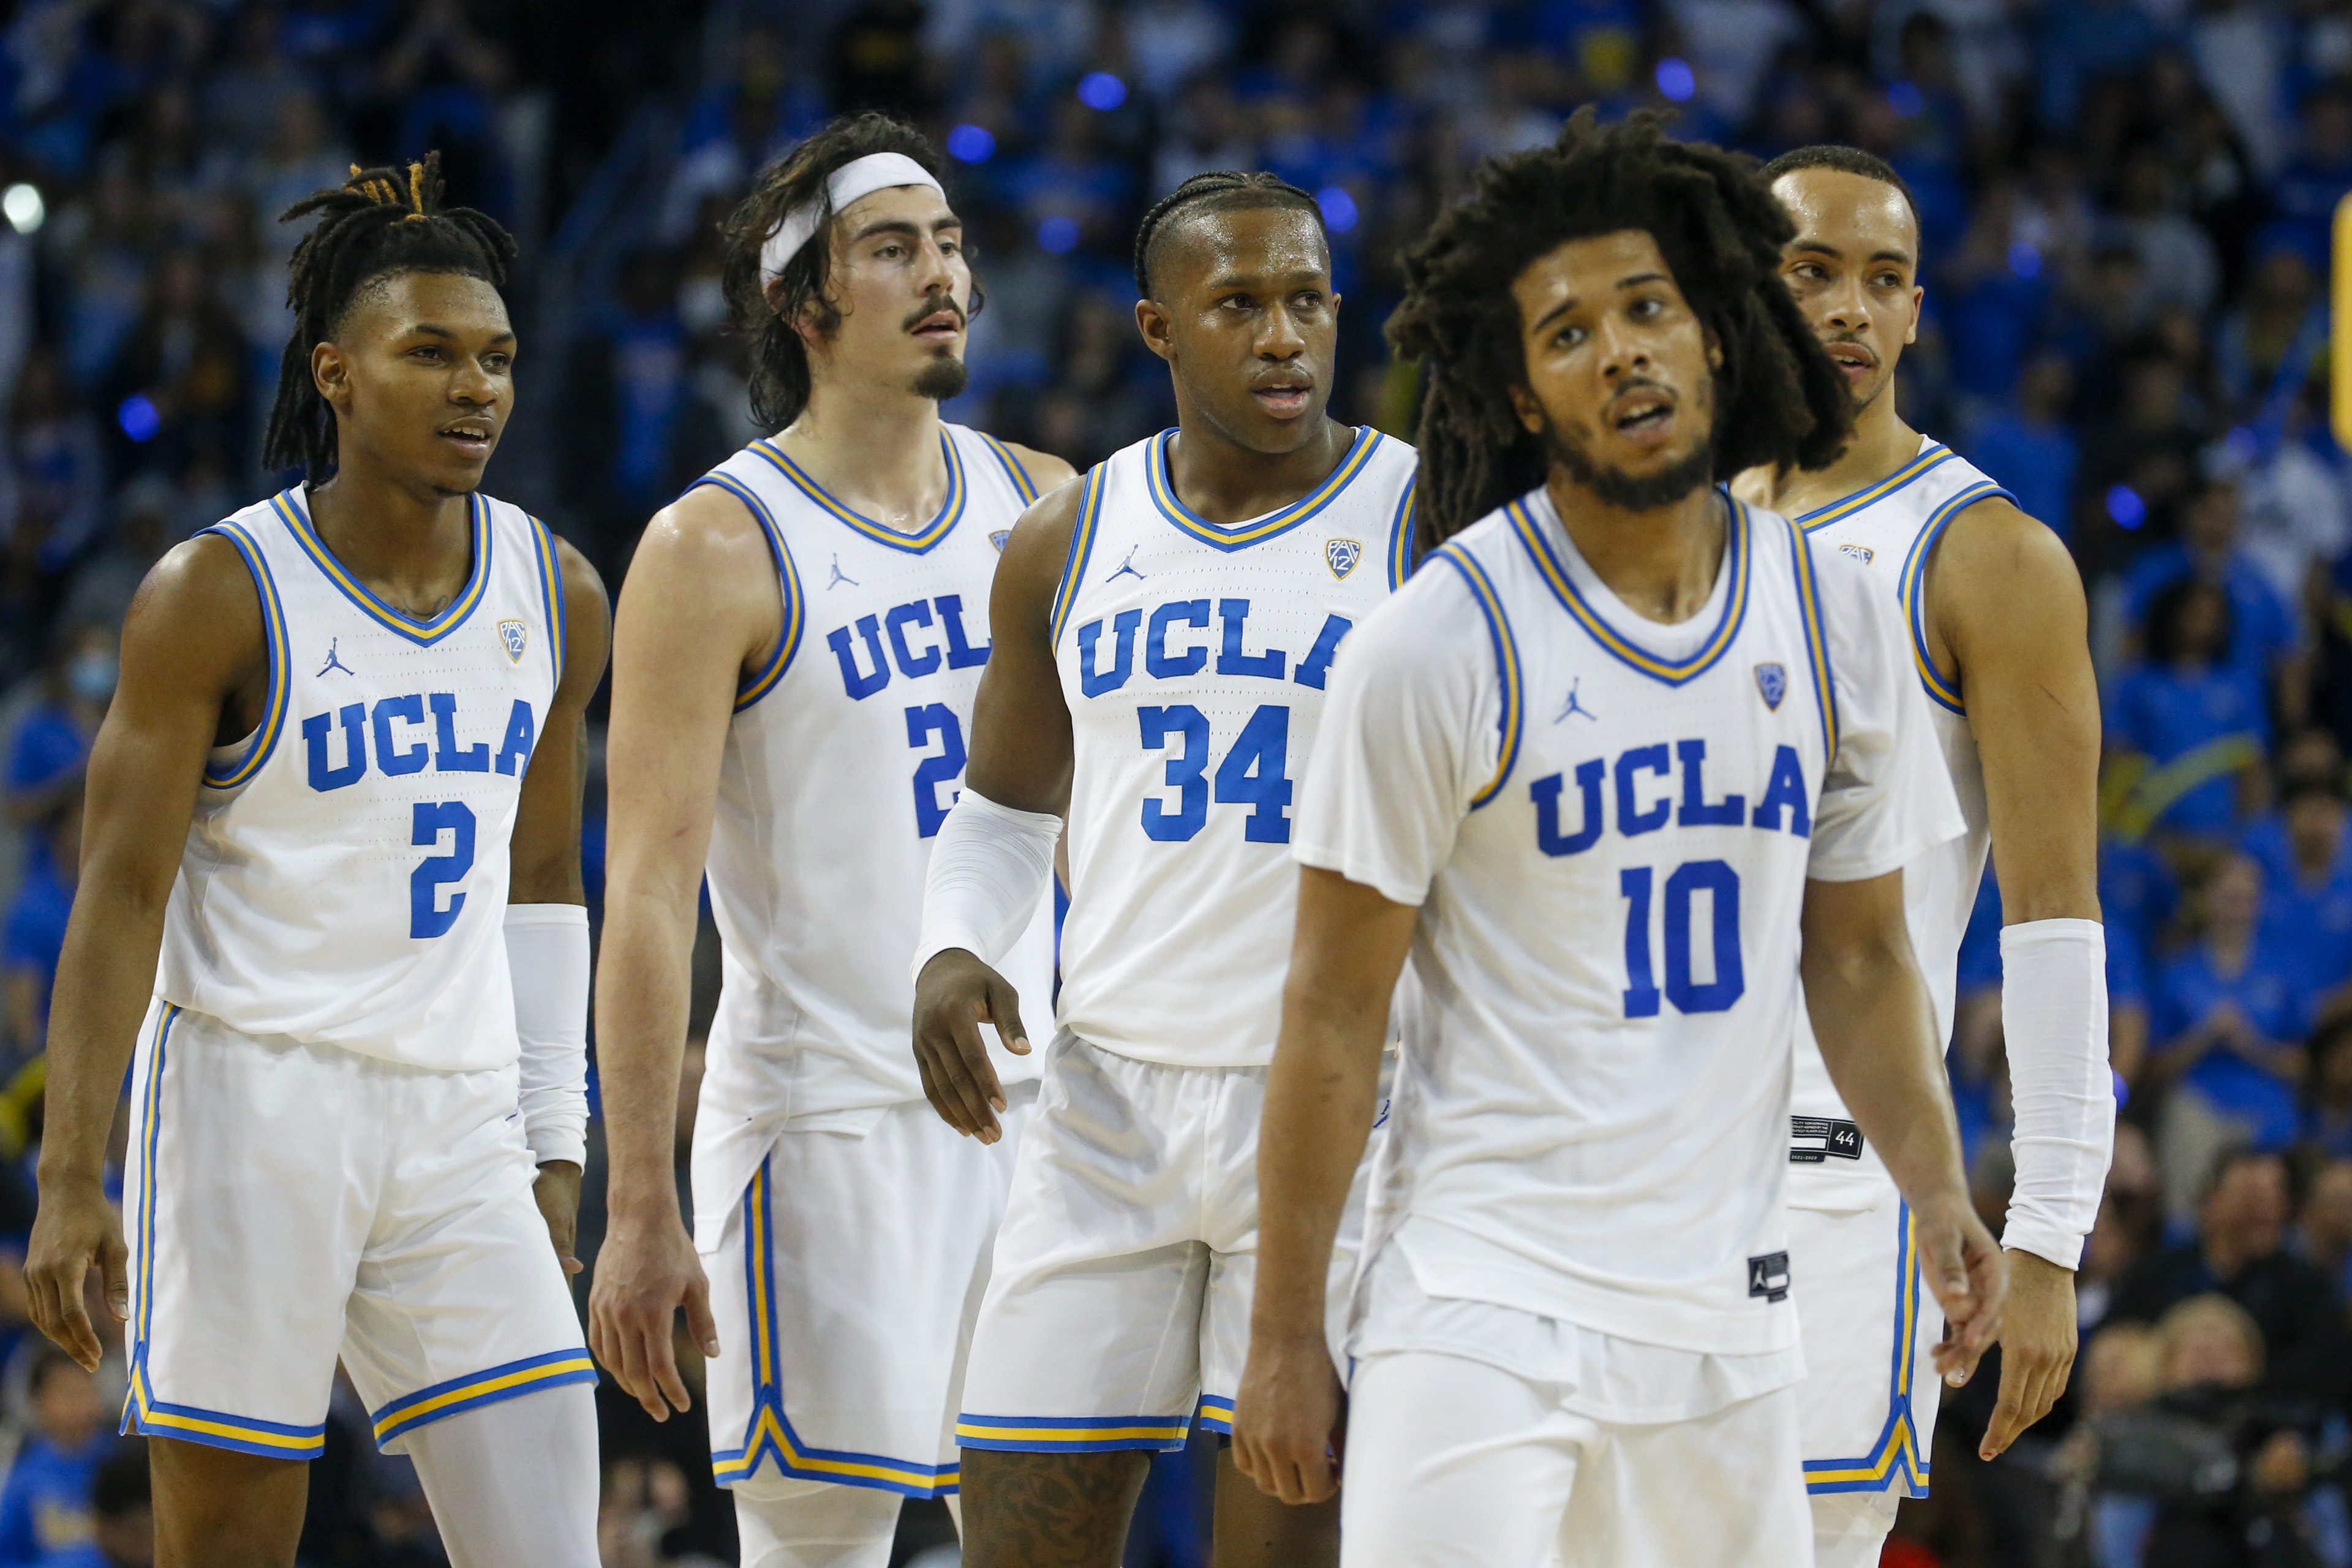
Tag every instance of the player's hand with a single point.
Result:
(645, 1270)
(2037, 1348)
(1968, 1275)
(75, 1229)
(557, 1192)
(1286, 1418)
(952, 994)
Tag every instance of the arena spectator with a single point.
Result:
(122, 1516)
(45, 1507)
(2192, 722)
(2026, 446)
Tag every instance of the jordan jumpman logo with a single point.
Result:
(1127, 568)
(1574, 706)
(333, 662)
(839, 577)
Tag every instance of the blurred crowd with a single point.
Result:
(2126, 207)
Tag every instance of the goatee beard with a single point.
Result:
(943, 378)
(1630, 492)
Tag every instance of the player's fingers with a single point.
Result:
(73, 1331)
(664, 1355)
(974, 1048)
(952, 1064)
(631, 1370)
(701, 1325)
(114, 1266)
(1004, 1012)
(943, 1060)
(940, 1105)
(2009, 1414)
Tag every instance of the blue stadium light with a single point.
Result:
(1100, 90)
(1339, 213)
(138, 417)
(1904, 100)
(2024, 260)
(1058, 235)
(971, 144)
(1675, 80)
(2125, 507)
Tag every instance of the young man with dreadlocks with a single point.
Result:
(1619, 742)
(339, 794)
(1164, 633)
(1991, 598)
(798, 646)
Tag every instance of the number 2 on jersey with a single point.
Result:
(431, 819)
(1721, 884)
(1254, 774)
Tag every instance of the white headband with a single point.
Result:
(858, 178)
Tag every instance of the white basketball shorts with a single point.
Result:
(291, 1203)
(845, 1283)
(1867, 1406)
(1118, 1308)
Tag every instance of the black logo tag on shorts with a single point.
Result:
(1769, 1277)
(1842, 1138)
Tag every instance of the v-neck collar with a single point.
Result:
(293, 509)
(1256, 530)
(1529, 516)
(950, 509)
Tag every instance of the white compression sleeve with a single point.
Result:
(989, 868)
(547, 954)
(513, 1485)
(2053, 1014)
(814, 1524)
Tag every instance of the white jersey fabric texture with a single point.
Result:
(1609, 825)
(345, 877)
(844, 757)
(1195, 658)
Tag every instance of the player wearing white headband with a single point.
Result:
(798, 646)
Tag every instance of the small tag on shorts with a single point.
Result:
(1842, 1139)
(1769, 1277)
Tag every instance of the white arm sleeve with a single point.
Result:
(989, 868)
(2053, 1014)
(547, 954)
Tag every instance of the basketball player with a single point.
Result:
(799, 643)
(339, 792)
(1996, 612)
(1595, 768)
(1164, 633)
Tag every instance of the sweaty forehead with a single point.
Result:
(1858, 215)
(393, 302)
(1201, 246)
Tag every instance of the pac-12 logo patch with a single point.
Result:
(516, 636)
(1342, 554)
(1769, 1277)
(998, 539)
(1773, 682)
(1862, 552)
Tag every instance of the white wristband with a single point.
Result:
(547, 954)
(2053, 1014)
(989, 867)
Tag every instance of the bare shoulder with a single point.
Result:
(1992, 550)
(199, 598)
(706, 538)
(1046, 471)
(1040, 544)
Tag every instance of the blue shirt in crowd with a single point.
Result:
(2261, 628)
(2269, 992)
(2311, 921)
(45, 1507)
(2035, 462)
(2168, 713)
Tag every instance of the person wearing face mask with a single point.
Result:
(46, 753)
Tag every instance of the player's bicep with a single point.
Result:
(1349, 944)
(545, 851)
(1021, 745)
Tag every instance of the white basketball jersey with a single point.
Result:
(1193, 656)
(1891, 528)
(1609, 825)
(844, 754)
(345, 878)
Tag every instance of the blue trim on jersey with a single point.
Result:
(551, 581)
(1241, 535)
(788, 583)
(1071, 1434)
(165, 1016)
(950, 510)
(492, 1385)
(1915, 587)
(1082, 549)
(1895, 1458)
(1216, 1414)
(279, 683)
(1512, 718)
(769, 1434)
(1400, 535)
(1022, 483)
(1674, 672)
(1817, 642)
(424, 632)
(1934, 456)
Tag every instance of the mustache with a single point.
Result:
(928, 311)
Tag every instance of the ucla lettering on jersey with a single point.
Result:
(845, 751)
(1891, 528)
(345, 875)
(1193, 656)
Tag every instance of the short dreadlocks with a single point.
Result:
(1779, 400)
(377, 223)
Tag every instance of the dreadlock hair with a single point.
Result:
(1218, 191)
(379, 222)
(1846, 161)
(1779, 399)
(770, 316)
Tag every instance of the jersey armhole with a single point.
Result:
(1022, 483)
(551, 581)
(1944, 691)
(273, 639)
(1817, 643)
(1401, 561)
(1082, 549)
(1512, 718)
(788, 587)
